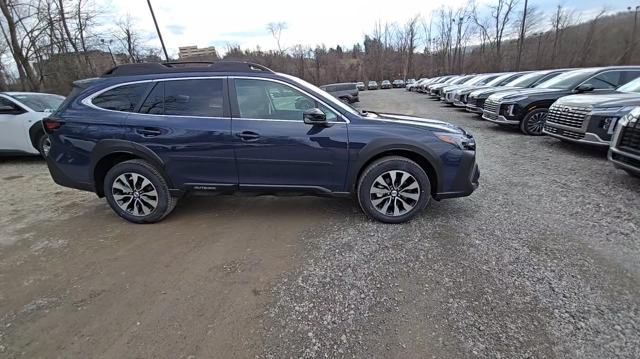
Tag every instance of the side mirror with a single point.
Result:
(584, 88)
(314, 116)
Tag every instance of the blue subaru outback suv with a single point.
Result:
(143, 135)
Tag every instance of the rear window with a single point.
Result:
(122, 98)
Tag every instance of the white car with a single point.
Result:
(21, 115)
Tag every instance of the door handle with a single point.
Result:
(248, 136)
(149, 131)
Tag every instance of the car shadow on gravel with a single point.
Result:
(581, 150)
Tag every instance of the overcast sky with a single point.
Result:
(329, 22)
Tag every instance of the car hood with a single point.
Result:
(428, 124)
(468, 89)
(528, 92)
(487, 91)
(438, 86)
(601, 100)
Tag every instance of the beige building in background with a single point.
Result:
(186, 52)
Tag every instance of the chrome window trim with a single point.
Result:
(332, 108)
(88, 101)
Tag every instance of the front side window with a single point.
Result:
(8, 107)
(122, 98)
(633, 86)
(271, 100)
(605, 80)
(197, 97)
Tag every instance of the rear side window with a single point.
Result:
(122, 98)
(198, 97)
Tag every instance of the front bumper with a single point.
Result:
(499, 119)
(466, 181)
(459, 103)
(574, 136)
(474, 109)
(624, 160)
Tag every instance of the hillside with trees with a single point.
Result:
(46, 45)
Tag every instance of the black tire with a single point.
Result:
(44, 145)
(381, 167)
(165, 202)
(533, 122)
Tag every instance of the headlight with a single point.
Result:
(612, 109)
(634, 114)
(459, 140)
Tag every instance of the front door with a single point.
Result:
(186, 122)
(14, 136)
(273, 145)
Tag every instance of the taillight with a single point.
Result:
(51, 124)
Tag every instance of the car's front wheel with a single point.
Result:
(533, 122)
(137, 192)
(393, 189)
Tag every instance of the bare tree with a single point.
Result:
(276, 28)
(561, 19)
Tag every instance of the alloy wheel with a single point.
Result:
(536, 122)
(394, 193)
(135, 194)
(46, 147)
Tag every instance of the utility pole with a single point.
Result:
(164, 49)
(522, 30)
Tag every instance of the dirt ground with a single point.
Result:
(77, 281)
(542, 261)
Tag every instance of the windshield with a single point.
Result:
(39, 102)
(479, 80)
(462, 80)
(567, 80)
(499, 79)
(527, 80)
(633, 86)
(314, 89)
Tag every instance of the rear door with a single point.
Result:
(187, 123)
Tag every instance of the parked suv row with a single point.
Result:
(143, 135)
(583, 105)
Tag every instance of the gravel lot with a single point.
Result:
(542, 261)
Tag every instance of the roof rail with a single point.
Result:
(191, 66)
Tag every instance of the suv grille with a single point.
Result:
(491, 106)
(564, 133)
(630, 138)
(570, 116)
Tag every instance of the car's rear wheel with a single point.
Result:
(137, 192)
(533, 122)
(44, 145)
(393, 189)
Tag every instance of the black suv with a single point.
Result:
(476, 99)
(528, 108)
(625, 145)
(347, 92)
(591, 119)
(143, 135)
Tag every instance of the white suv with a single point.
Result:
(21, 115)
